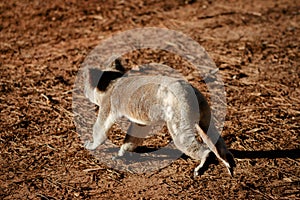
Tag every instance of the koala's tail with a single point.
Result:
(91, 79)
(217, 145)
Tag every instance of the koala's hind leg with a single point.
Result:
(185, 140)
(216, 143)
(210, 134)
(100, 130)
(134, 137)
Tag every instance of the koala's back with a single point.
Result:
(150, 99)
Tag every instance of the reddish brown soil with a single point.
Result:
(256, 46)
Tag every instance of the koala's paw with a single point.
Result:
(120, 154)
(229, 162)
(199, 170)
(90, 145)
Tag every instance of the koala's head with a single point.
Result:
(102, 78)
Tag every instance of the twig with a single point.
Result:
(43, 196)
(259, 192)
(93, 169)
(47, 99)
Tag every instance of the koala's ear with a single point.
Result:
(119, 66)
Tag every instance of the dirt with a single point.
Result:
(254, 44)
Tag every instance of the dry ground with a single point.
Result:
(254, 43)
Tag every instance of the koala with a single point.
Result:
(150, 99)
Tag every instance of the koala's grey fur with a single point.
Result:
(148, 99)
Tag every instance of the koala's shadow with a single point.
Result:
(212, 160)
(143, 154)
(270, 154)
(174, 154)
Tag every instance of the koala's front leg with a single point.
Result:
(134, 137)
(100, 129)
